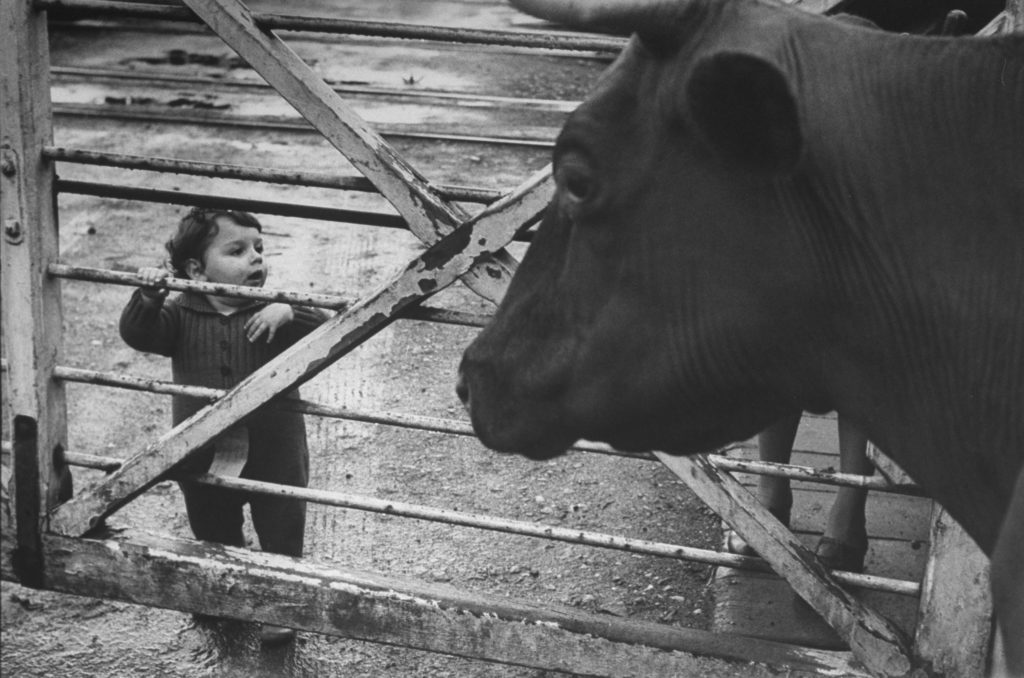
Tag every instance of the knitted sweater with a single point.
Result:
(209, 349)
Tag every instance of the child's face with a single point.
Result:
(234, 257)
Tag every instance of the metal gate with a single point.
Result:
(59, 546)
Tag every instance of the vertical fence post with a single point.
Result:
(31, 304)
(955, 614)
(1015, 9)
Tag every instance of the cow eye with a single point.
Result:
(575, 178)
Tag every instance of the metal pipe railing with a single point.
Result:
(276, 208)
(327, 301)
(463, 428)
(247, 173)
(375, 29)
(507, 525)
(412, 96)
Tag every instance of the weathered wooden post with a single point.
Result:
(1015, 8)
(954, 624)
(31, 304)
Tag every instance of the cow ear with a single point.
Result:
(744, 107)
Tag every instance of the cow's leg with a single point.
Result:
(774, 444)
(845, 540)
(1008, 588)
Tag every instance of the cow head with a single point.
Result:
(662, 301)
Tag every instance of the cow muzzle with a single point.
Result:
(504, 423)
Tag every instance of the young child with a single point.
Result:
(216, 342)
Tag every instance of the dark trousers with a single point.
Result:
(215, 513)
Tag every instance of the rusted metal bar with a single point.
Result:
(812, 475)
(476, 101)
(105, 464)
(181, 117)
(282, 209)
(447, 316)
(457, 427)
(564, 534)
(411, 421)
(375, 29)
(506, 525)
(246, 173)
(328, 301)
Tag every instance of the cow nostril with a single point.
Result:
(462, 390)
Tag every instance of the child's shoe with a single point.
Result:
(276, 635)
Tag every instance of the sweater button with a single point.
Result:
(223, 320)
(225, 344)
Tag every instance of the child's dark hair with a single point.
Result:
(196, 231)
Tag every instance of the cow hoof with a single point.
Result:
(737, 545)
(838, 555)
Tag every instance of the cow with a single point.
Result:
(757, 211)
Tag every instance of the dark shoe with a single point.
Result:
(204, 619)
(734, 543)
(837, 555)
(276, 635)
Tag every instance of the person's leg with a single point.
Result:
(280, 525)
(845, 539)
(215, 514)
(280, 522)
(774, 444)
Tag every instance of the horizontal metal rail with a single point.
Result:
(328, 301)
(463, 428)
(458, 427)
(505, 525)
(411, 421)
(374, 29)
(285, 124)
(153, 77)
(248, 173)
(276, 208)
(283, 209)
(813, 475)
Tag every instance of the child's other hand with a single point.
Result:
(268, 319)
(154, 279)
